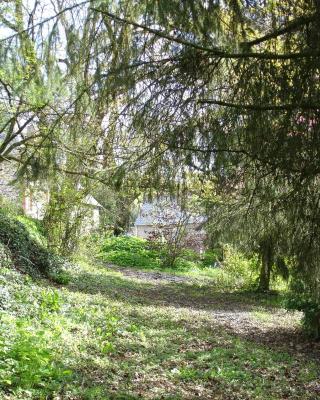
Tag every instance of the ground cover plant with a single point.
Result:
(129, 251)
(24, 246)
(110, 334)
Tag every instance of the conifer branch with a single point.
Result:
(265, 107)
(290, 27)
(213, 51)
(18, 33)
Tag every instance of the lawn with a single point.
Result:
(117, 333)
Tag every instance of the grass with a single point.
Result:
(111, 336)
(235, 272)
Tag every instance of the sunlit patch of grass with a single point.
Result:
(124, 338)
(262, 315)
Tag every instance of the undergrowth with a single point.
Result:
(129, 251)
(106, 337)
(23, 246)
(232, 270)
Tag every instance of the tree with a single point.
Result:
(229, 89)
(249, 109)
(257, 226)
(176, 227)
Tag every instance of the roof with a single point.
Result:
(167, 212)
(91, 201)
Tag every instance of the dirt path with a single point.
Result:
(240, 315)
(175, 337)
(150, 275)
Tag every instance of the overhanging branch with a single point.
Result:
(290, 27)
(44, 21)
(263, 107)
(213, 51)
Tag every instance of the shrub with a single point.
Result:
(128, 251)
(191, 255)
(9, 207)
(241, 269)
(60, 276)
(301, 298)
(34, 228)
(26, 251)
(5, 256)
(127, 259)
(183, 264)
(211, 257)
(125, 243)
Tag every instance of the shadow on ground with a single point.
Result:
(245, 315)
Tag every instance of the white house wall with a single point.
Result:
(7, 175)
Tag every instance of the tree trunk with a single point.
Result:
(315, 328)
(266, 252)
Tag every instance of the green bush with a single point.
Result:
(301, 298)
(243, 270)
(125, 243)
(5, 256)
(129, 259)
(34, 228)
(183, 264)
(236, 270)
(128, 251)
(9, 207)
(27, 254)
(211, 257)
(26, 250)
(190, 255)
(60, 276)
